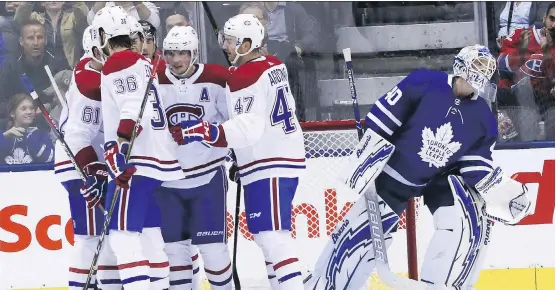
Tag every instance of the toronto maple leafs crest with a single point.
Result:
(438, 148)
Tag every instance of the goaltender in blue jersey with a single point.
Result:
(436, 134)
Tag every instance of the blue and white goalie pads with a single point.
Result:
(348, 258)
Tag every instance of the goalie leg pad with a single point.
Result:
(218, 266)
(181, 264)
(348, 258)
(457, 249)
(278, 249)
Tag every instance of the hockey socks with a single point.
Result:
(181, 265)
(82, 254)
(159, 267)
(282, 264)
(133, 265)
(218, 267)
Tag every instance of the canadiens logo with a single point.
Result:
(532, 67)
(184, 112)
(438, 148)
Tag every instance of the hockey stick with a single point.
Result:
(371, 197)
(353, 92)
(117, 190)
(27, 84)
(61, 99)
(235, 275)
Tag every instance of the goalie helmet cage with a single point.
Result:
(327, 146)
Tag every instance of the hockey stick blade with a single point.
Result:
(115, 196)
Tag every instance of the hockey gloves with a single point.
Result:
(118, 168)
(199, 131)
(95, 186)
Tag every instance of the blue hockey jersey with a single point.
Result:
(434, 131)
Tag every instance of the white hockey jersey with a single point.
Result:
(80, 122)
(123, 83)
(263, 129)
(201, 96)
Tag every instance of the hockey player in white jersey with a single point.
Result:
(81, 126)
(194, 208)
(134, 234)
(451, 166)
(268, 143)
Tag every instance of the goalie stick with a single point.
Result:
(375, 220)
(108, 216)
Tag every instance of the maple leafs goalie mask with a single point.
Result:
(476, 65)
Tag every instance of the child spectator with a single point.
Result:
(21, 143)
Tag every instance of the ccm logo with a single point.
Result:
(23, 232)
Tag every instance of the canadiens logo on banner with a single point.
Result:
(438, 148)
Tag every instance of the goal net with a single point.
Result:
(320, 203)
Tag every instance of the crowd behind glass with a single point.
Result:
(307, 37)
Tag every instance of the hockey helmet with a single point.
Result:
(90, 40)
(241, 27)
(182, 38)
(113, 21)
(476, 65)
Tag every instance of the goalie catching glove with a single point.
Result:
(95, 185)
(199, 131)
(506, 200)
(118, 168)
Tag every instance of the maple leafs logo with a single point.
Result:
(438, 148)
(19, 157)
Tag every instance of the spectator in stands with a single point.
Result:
(139, 10)
(529, 53)
(64, 27)
(519, 14)
(291, 26)
(32, 60)
(526, 66)
(179, 17)
(289, 56)
(8, 28)
(21, 143)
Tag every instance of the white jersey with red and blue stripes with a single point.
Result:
(201, 96)
(80, 122)
(123, 85)
(263, 130)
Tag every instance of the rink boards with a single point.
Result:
(36, 232)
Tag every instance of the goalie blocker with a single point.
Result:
(462, 230)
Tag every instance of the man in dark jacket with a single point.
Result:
(31, 62)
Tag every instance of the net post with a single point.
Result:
(411, 225)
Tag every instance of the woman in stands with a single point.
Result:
(20, 143)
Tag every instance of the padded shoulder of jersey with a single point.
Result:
(120, 61)
(87, 80)
(215, 74)
(247, 74)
